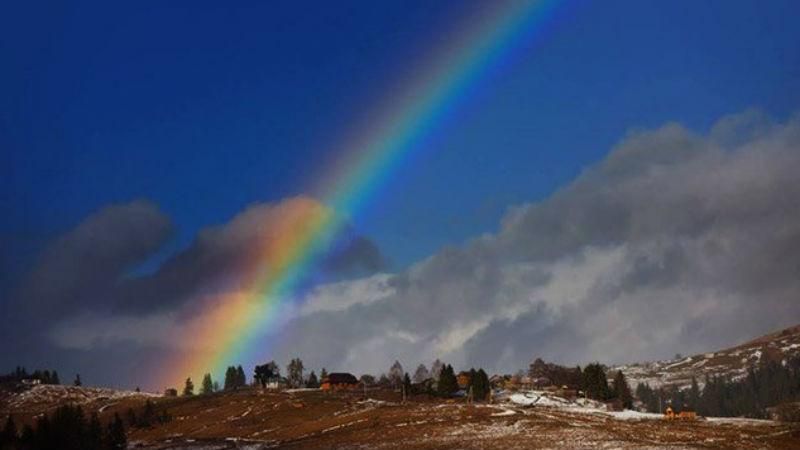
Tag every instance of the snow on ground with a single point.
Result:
(634, 415)
(586, 406)
(504, 412)
(537, 398)
(541, 398)
(53, 394)
(740, 421)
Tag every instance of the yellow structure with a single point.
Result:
(670, 414)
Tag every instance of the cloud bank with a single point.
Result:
(674, 242)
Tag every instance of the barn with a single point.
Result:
(337, 381)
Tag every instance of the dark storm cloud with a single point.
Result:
(355, 254)
(221, 257)
(83, 293)
(81, 268)
(675, 242)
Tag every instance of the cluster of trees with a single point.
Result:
(555, 374)
(267, 373)
(479, 384)
(148, 417)
(66, 429)
(595, 384)
(234, 378)
(208, 386)
(440, 380)
(188, 388)
(20, 373)
(294, 373)
(764, 387)
(447, 384)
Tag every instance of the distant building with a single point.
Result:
(463, 379)
(671, 414)
(31, 381)
(498, 381)
(339, 381)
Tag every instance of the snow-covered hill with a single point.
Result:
(733, 362)
(43, 397)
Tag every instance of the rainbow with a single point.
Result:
(366, 158)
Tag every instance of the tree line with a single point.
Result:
(763, 387)
(67, 428)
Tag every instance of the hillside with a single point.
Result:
(46, 397)
(311, 419)
(732, 362)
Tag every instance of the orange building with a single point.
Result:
(463, 380)
(339, 381)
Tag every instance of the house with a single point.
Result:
(339, 381)
(670, 414)
(463, 379)
(31, 381)
(498, 381)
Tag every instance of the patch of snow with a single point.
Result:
(634, 415)
(504, 412)
(740, 421)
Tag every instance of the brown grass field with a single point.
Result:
(254, 419)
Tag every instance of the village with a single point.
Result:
(549, 406)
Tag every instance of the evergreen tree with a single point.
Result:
(448, 384)
(230, 378)
(595, 382)
(94, 433)
(241, 379)
(207, 387)
(188, 388)
(312, 382)
(115, 437)
(27, 439)
(407, 384)
(694, 395)
(9, 437)
(77, 381)
(54, 379)
(480, 385)
(148, 415)
(622, 391)
(130, 417)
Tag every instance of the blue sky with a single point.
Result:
(205, 108)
